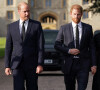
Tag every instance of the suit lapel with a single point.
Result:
(28, 29)
(18, 31)
(71, 34)
(83, 35)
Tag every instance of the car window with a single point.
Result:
(50, 36)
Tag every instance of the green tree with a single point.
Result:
(95, 7)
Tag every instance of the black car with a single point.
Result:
(52, 58)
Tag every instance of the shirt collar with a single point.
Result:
(21, 21)
(79, 24)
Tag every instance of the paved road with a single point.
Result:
(48, 80)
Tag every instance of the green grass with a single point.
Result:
(2, 46)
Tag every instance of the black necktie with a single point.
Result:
(23, 31)
(77, 37)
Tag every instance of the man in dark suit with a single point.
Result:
(24, 50)
(96, 78)
(75, 41)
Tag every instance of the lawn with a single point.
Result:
(2, 46)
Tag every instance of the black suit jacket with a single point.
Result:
(65, 41)
(97, 44)
(32, 49)
(96, 78)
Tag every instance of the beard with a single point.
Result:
(76, 20)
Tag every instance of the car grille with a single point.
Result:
(51, 55)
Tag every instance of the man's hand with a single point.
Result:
(8, 71)
(39, 69)
(93, 69)
(74, 51)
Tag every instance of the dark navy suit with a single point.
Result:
(76, 68)
(24, 56)
(96, 77)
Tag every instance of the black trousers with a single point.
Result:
(24, 77)
(78, 74)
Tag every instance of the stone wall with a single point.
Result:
(56, 10)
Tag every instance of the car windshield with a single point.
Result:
(50, 36)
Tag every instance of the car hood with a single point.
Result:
(49, 48)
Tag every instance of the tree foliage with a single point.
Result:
(95, 7)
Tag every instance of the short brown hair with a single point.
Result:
(76, 6)
(19, 5)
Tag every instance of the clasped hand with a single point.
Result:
(74, 51)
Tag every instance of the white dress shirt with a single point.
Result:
(25, 24)
(74, 31)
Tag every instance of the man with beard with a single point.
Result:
(75, 41)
